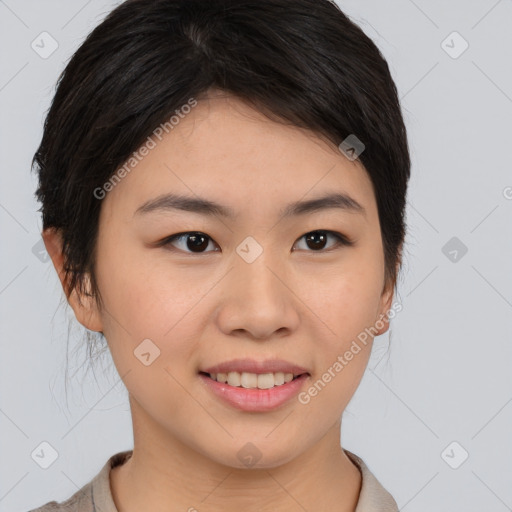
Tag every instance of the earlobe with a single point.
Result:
(85, 309)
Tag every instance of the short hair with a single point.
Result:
(300, 62)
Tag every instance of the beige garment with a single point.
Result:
(96, 496)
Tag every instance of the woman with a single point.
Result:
(223, 186)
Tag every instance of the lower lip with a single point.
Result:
(255, 400)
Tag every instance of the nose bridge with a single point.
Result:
(255, 270)
(257, 299)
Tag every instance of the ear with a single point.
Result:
(86, 309)
(386, 300)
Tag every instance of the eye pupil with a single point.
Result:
(197, 241)
(318, 238)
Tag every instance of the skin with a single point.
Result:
(294, 302)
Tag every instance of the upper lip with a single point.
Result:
(254, 366)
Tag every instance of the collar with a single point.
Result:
(372, 496)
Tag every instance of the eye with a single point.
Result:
(195, 241)
(317, 240)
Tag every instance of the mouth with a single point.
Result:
(249, 380)
(254, 392)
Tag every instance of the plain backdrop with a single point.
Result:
(432, 417)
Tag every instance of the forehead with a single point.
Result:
(225, 151)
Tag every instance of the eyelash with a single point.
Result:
(342, 241)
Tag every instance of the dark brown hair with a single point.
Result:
(297, 61)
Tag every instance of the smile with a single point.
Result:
(253, 380)
(254, 399)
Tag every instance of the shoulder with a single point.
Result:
(94, 494)
(372, 497)
(81, 501)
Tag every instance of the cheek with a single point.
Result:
(345, 303)
(146, 299)
(346, 299)
(151, 326)
(345, 313)
(142, 287)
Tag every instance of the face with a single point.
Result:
(263, 283)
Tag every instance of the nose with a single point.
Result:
(258, 300)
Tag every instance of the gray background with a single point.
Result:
(446, 377)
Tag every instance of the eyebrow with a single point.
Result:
(207, 207)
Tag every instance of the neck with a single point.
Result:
(164, 474)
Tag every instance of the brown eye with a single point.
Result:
(317, 240)
(195, 241)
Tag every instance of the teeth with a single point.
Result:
(253, 380)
